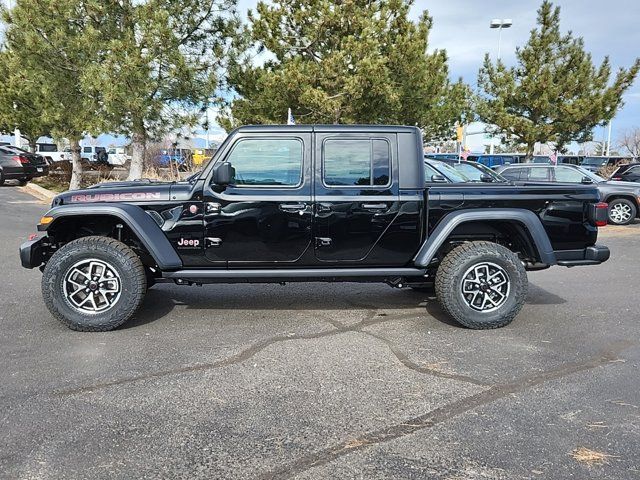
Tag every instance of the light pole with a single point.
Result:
(500, 23)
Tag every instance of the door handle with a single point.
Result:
(323, 207)
(293, 207)
(374, 206)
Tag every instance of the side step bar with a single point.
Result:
(291, 274)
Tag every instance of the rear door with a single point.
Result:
(355, 195)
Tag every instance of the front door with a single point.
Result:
(263, 218)
(356, 199)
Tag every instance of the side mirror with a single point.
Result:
(438, 179)
(223, 174)
(586, 180)
(485, 178)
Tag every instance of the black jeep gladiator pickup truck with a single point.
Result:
(311, 203)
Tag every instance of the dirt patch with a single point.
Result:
(590, 457)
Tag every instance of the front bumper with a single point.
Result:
(592, 255)
(32, 253)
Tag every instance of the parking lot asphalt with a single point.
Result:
(316, 381)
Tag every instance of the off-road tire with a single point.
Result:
(1, 178)
(626, 203)
(450, 276)
(23, 181)
(133, 283)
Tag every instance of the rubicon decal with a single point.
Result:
(188, 242)
(116, 197)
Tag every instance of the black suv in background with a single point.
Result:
(627, 173)
(623, 197)
(18, 164)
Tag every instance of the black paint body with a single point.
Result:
(317, 225)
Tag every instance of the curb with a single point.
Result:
(38, 192)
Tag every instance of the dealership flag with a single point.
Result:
(290, 120)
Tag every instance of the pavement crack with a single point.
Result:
(444, 413)
(410, 364)
(370, 319)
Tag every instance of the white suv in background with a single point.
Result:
(50, 152)
(117, 156)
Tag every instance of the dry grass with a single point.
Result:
(590, 457)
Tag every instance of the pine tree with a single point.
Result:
(555, 93)
(357, 61)
(21, 101)
(160, 70)
(56, 41)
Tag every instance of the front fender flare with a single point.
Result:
(140, 223)
(448, 224)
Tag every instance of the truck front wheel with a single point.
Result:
(94, 284)
(482, 285)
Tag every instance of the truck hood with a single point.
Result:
(622, 185)
(131, 192)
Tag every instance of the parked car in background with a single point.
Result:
(562, 159)
(51, 152)
(201, 155)
(627, 173)
(474, 171)
(18, 164)
(117, 156)
(173, 156)
(489, 160)
(593, 164)
(436, 171)
(90, 153)
(623, 197)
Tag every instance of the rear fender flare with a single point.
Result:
(140, 223)
(529, 220)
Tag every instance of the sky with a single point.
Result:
(461, 27)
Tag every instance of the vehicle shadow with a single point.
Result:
(161, 300)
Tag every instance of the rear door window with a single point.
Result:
(356, 162)
(568, 175)
(539, 174)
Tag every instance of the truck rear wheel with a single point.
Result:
(482, 285)
(94, 284)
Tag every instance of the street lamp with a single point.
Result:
(500, 23)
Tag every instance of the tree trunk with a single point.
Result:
(138, 152)
(529, 156)
(76, 163)
(32, 145)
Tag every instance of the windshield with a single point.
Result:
(450, 172)
(593, 176)
(474, 172)
(595, 161)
